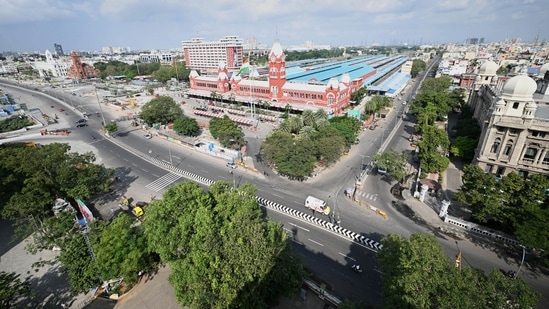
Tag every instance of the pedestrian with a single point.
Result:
(63, 305)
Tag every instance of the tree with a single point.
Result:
(392, 161)
(376, 103)
(13, 290)
(348, 127)
(35, 177)
(160, 110)
(221, 251)
(121, 250)
(418, 275)
(111, 127)
(438, 84)
(464, 147)
(226, 131)
(78, 262)
(186, 126)
(418, 66)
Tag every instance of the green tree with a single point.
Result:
(418, 275)
(394, 162)
(376, 104)
(37, 176)
(347, 126)
(359, 94)
(438, 84)
(464, 147)
(78, 263)
(111, 127)
(121, 250)
(418, 66)
(226, 131)
(221, 251)
(186, 126)
(162, 110)
(13, 290)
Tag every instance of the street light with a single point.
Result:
(101, 110)
(521, 262)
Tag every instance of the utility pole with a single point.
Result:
(101, 111)
(521, 262)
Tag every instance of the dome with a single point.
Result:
(544, 68)
(488, 68)
(519, 87)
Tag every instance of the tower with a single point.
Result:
(277, 71)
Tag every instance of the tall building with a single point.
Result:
(204, 56)
(515, 129)
(58, 49)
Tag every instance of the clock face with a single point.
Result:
(273, 58)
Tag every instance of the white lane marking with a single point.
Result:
(316, 242)
(178, 158)
(134, 164)
(292, 224)
(165, 161)
(346, 256)
(298, 242)
(144, 170)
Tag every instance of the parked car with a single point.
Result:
(232, 165)
(81, 120)
(81, 125)
(147, 136)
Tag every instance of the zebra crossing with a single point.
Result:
(368, 196)
(163, 182)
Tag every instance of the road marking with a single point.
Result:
(155, 175)
(204, 171)
(177, 157)
(134, 164)
(378, 271)
(163, 182)
(144, 170)
(292, 224)
(277, 195)
(297, 242)
(315, 242)
(346, 256)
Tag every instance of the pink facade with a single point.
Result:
(276, 90)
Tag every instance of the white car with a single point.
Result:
(232, 165)
(403, 102)
(147, 136)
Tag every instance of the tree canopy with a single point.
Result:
(161, 110)
(221, 252)
(30, 190)
(517, 205)
(13, 290)
(394, 162)
(418, 65)
(417, 274)
(226, 131)
(186, 126)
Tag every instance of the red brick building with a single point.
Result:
(79, 70)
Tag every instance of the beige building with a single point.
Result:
(515, 129)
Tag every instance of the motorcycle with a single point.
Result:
(357, 268)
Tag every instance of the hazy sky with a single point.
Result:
(35, 25)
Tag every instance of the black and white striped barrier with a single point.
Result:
(338, 229)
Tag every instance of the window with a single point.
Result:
(495, 146)
(488, 168)
(546, 158)
(515, 105)
(500, 171)
(507, 150)
(530, 153)
(499, 129)
(514, 131)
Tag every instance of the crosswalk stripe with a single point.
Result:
(163, 182)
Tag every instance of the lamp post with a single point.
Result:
(101, 110)
(521, 262)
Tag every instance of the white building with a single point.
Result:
(156, 57)
(205, 56)
(515, 128)
(52, 67)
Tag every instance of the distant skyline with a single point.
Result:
(35, 25)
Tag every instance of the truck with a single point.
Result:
(317, 204)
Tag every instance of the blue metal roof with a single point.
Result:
(323, 73)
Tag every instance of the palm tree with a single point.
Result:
(284, 126)
(322, 123)
(308, 118)
(320, 114)
(295, 123)
(306, 132)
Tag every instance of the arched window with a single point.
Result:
(508, 148)
(495, 145)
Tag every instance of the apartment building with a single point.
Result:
(205, 56)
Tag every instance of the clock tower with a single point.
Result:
(277, 71)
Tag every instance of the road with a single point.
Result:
(326, 254)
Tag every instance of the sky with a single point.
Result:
(35, 25)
